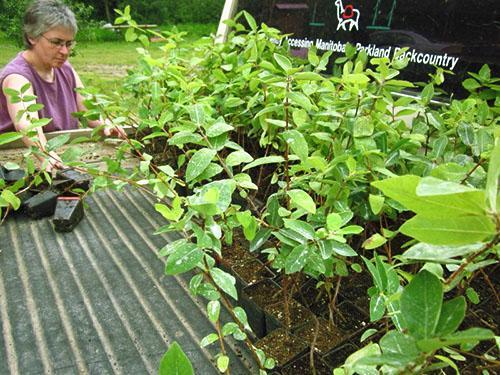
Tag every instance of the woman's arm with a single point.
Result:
(16, 82)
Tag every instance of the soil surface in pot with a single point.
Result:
(299, 315)
(348, 317)
(282, 347)
(235, 255)
(327, 338)
(252, 271)
(302, 366)
(264, 293)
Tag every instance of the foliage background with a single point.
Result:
(92, 12)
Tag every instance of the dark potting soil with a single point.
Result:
(299, 315)
(314, 298)
(282, 347)
(252, 271)
(327, 338)
(235, 255)
(302, 366)
(264, 293)
(348, 317)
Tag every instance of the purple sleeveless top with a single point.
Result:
(58, 97)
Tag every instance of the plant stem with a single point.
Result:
(313, 344)
(472, 170)
(471, 258)
(331, 305)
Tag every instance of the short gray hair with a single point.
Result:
(43, 15)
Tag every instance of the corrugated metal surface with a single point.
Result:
(96, 301)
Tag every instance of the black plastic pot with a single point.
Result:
(349, 317)
(76, 180)
(250, 272)
(14, 175)
(251, 300)
(283, 346)
(69, 212)
(41, 205)
(337, 357)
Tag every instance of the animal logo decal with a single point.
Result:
(347, 16)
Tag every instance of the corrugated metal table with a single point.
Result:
(96, 300)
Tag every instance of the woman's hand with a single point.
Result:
(114, 130)
(54, 162)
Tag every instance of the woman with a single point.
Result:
(49, 35)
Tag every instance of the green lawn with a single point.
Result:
(102, 64)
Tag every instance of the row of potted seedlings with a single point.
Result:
(301, 330)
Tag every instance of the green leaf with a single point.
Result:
(174, 213)
(209, 339)
(308, 76)
(493, 177)
(421, 303)
(356, 78)
(453, 231)
(241, 315)
(303, 200)
(297, 259)
(130, 35)
(469, 336)
(377, 307)
(175, 362)
(223, 363)
(264, 160)
(376, 240)
(197, 114)
(283, 61)
(184, 137)
(11, 199)
(213, 198)
(442, 254)
(400, 347)
(213, 311)
(238, 157)
(427, 93)
(57, 142)
(184, 258)
(471, 84)
(218, 128)
(444, 201)
(306, 230)
(301, 100)
(260, 239)
(297, 143)
(452, 315)
(224, 281)
(472, 295)
(466, 133)
(199, 162)
(9, 137)
(376, 203)
(340, 248)
(363, 127)
(333, 221)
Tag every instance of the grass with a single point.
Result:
(101, 64)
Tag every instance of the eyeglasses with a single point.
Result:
(59, 43)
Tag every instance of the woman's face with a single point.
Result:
(53, 46)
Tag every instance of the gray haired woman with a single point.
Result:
(49, 35)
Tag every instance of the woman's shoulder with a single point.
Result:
(17, 66)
